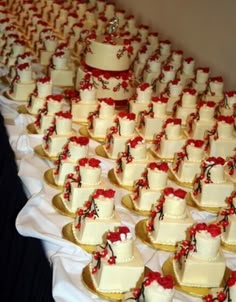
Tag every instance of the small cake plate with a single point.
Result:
(4, 80)
(22, 109)
(10, 97)
(168, 269)
(84, 131)
(191, 201)
(174, 178)
(228, 247)
(100, 151)
(42, 154)
(32, 129)
(157, 156)
(67, 234)
(127, 202)
(49, 179)
(88, 282)
(60, 207)
(113, 179)
(141, 233)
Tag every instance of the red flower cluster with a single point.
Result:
(204, 69)
(23, 66)
(176, 192)
(92, 162)
(216, 160)
(116, 235)
(128, 115)
(216, 79)
(55, 97)
(198, 143)
(66, 114)
(212, 228)
(133, 142)
(230, 93)
(44, 80)
(108, 101)
(175, 121)
(191, 91)
(162, 166)
(166, 282)
(144, 86)
(109, 193)
(159, 99)
(229, 119)
(210, 104)
(189, 60)
(80, 140)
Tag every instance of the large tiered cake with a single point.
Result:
(149, 188)
(119, 258)
(199, 261)
(211, 187)
(169, 218)
(98, 213)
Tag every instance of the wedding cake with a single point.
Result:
(227, 106)
(202, 120)
(199, 261)
(101, 119)
(131, 164)
(211, 187)
(118, 135)
(54, 103)
(155, 287)
(149, 188)
(168, 74)
(221, 139)
(171, 139)
(23, 83)
(201, 79)
(37, 99)
(215, 89)
(151, 121)
(98, 213)
(119, 258)
(187, 162)
(18, 47)
(186, 105)
(169, 218)
(186, 72)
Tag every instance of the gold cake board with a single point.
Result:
(100, 151)
(88, 282)
(168, 269)
(60, 207)
(127, 202)
(142, 234)
(67, 234)
(32, 129)
(84, 131)
(113, 179)
(22, 109)
(49, 179)
(42, 154)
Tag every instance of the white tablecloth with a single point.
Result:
(41, 220)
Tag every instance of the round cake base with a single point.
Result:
(100, 151)
(67, 234)
(60, 207)
(49, 179)
(142, 234)
(31, 129)
(22, 109)
(42, 154)
(88, 282)
(168, 269)
(127, 202)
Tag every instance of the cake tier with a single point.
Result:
(125, 276)
(80, 111)
(214, 195)
(151, 126)
(146, 199)
(183, 113)
(169, 230)
(137, 107)
(116, 85)
(35, 103)
(169, 147)
(115, 145)
(65, 168)
(55, 144)
(130, 172)
(228, 236)
(45, 57)
(200, 273)
(222, 147)
(187, 170)
(22, 91)
(107, 56)
(199, 128)
(92, 230)
(44, 123)
(62, 78)
(101, 126)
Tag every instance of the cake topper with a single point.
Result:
(113, 25)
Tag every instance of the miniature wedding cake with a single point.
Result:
(170, 140)
(37, 99)
(149, 188)
(155, 287)
(98, 213)
(169, 218)
(201, 79)
(215, 90)
(131, 164)
(221, 139)
(187, 162)
(199, 261)
(119, 258)
(118, 135)
(211, 187)
(231, 168)
(227, 106)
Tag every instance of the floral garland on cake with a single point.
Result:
(71, 178)
(229, 210)
(231, 165)
(205, 174)
(109, 137)
(167, 282)
(111, 237)
(90, 210)
(123, 115)
(158, 208)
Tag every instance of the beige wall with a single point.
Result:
(203, 29)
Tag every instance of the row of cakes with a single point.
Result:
(107, 283)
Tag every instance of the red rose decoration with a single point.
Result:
(180, 193)
(123, 230)
(167, 282)
(168, 190)
(109, 193)
(214, 230)
(93, 162)
(113, 236)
